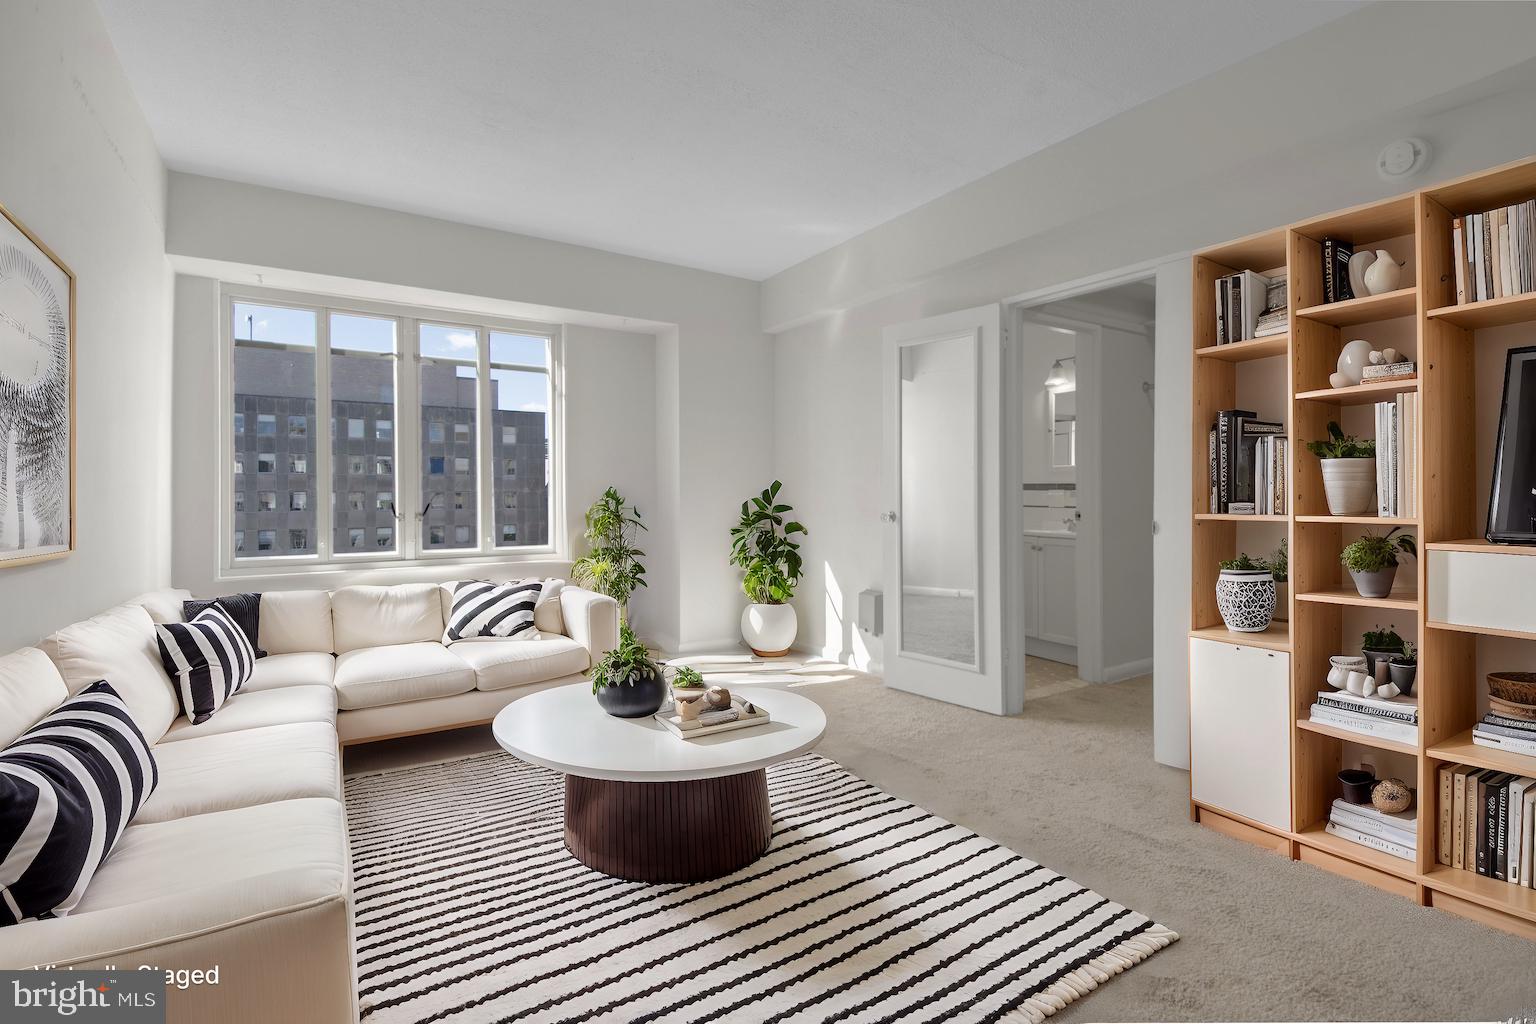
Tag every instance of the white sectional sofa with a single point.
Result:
(239, 860)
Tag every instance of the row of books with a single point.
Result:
(1487, 823)
(1493, 252)
(1390, 718)
(1248, 465)
(1250, 305)
(1503, 732)
(1364, 825)
(1336, 256)
(1397, 438)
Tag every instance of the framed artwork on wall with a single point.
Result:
(37, 399)
(1512, 498)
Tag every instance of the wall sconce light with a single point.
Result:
(1063, 375)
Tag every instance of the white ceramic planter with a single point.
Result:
(1246, 599)
(769, 629)
(1350, 485)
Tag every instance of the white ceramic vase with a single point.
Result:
(769, 629)
(1349, 484)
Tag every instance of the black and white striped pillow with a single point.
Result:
(208, 660)
(482, 609)
(68, 787)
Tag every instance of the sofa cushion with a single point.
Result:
(282, 706)
(501, 610)
(277, 670)
(208, 660)
(264, 849)
(499, 664)
(243, 769)
(164, 605)
(380, 616)
(398, 673)
(69, 786)
(294, 621)
(119, 646)
(245, 609)
(30, 687)
(547, 617)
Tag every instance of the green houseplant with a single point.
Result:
(687, 677)
(1404, 667)
(626, 681)
(1372, 560)
(763, 546)
(612, 563)
(1349, 471)
(1379, 643)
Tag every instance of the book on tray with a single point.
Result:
(1389, 718)
(1364, 825)
(1487, 823)
(1247, 464)
(1493, 252)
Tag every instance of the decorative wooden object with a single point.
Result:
(1416, 227)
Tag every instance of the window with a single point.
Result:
(337, 481)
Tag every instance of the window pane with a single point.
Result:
(448, 456)
(298, 540)
(274, 389)
(521, 435)
(519, 349)
(363, 374)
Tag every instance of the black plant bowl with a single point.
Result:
(634, 700)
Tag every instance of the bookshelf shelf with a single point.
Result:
(1386, 306)
(1460, 749)
(1378, 742)
(1242, 351)
(1360, 394)
(1455, 390)
(1511, 309)
(1228, 517)
(1350, 596)
(1276, 638)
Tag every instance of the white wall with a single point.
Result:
(708, 443)
(79, 168)
(1144, 187)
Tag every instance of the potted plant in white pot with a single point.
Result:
(612, 563)
(1245, 594)
(1349, 471)
(1372, 560)
(762, 546)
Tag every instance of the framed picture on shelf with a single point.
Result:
(1512, 499)
(37, 399)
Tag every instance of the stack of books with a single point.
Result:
(1336, 286)
(1241, 299)
(1389, 718)
(1505, 732)
(1487, 823)
(1397, 437)
(1248, 464)
(1395, 834)
(1493, 252)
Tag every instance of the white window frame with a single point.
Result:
(410, 545)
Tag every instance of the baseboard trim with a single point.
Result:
(1128, 670)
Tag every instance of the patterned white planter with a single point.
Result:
(1246, 599)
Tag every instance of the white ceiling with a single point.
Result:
(734, 136)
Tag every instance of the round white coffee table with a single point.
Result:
(645, 804)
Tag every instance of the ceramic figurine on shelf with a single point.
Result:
(1384, 274)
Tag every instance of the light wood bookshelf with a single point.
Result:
(1443, 337)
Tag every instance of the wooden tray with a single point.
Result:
(693, 730)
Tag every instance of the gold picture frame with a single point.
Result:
(37, 348)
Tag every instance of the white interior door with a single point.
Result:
(953, 614)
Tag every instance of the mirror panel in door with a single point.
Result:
(937, 521)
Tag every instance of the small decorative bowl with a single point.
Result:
(1357, 785)
(1512, 710)
(1515, 687)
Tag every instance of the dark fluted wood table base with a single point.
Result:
(668, 831)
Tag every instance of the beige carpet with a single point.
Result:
(1071, 784)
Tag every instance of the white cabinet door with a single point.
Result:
(1058, 596)
(1240, 730)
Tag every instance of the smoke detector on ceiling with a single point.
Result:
(1402, 159)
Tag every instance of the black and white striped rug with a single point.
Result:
(865, 908)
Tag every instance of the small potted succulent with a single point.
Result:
(1245, 594)
(626, 681)
(1379, 644)
(685, 677)
(1404, 666)
(1349, 471)
(1372, 560)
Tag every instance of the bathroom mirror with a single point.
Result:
(938, 515)
(1063, 410)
